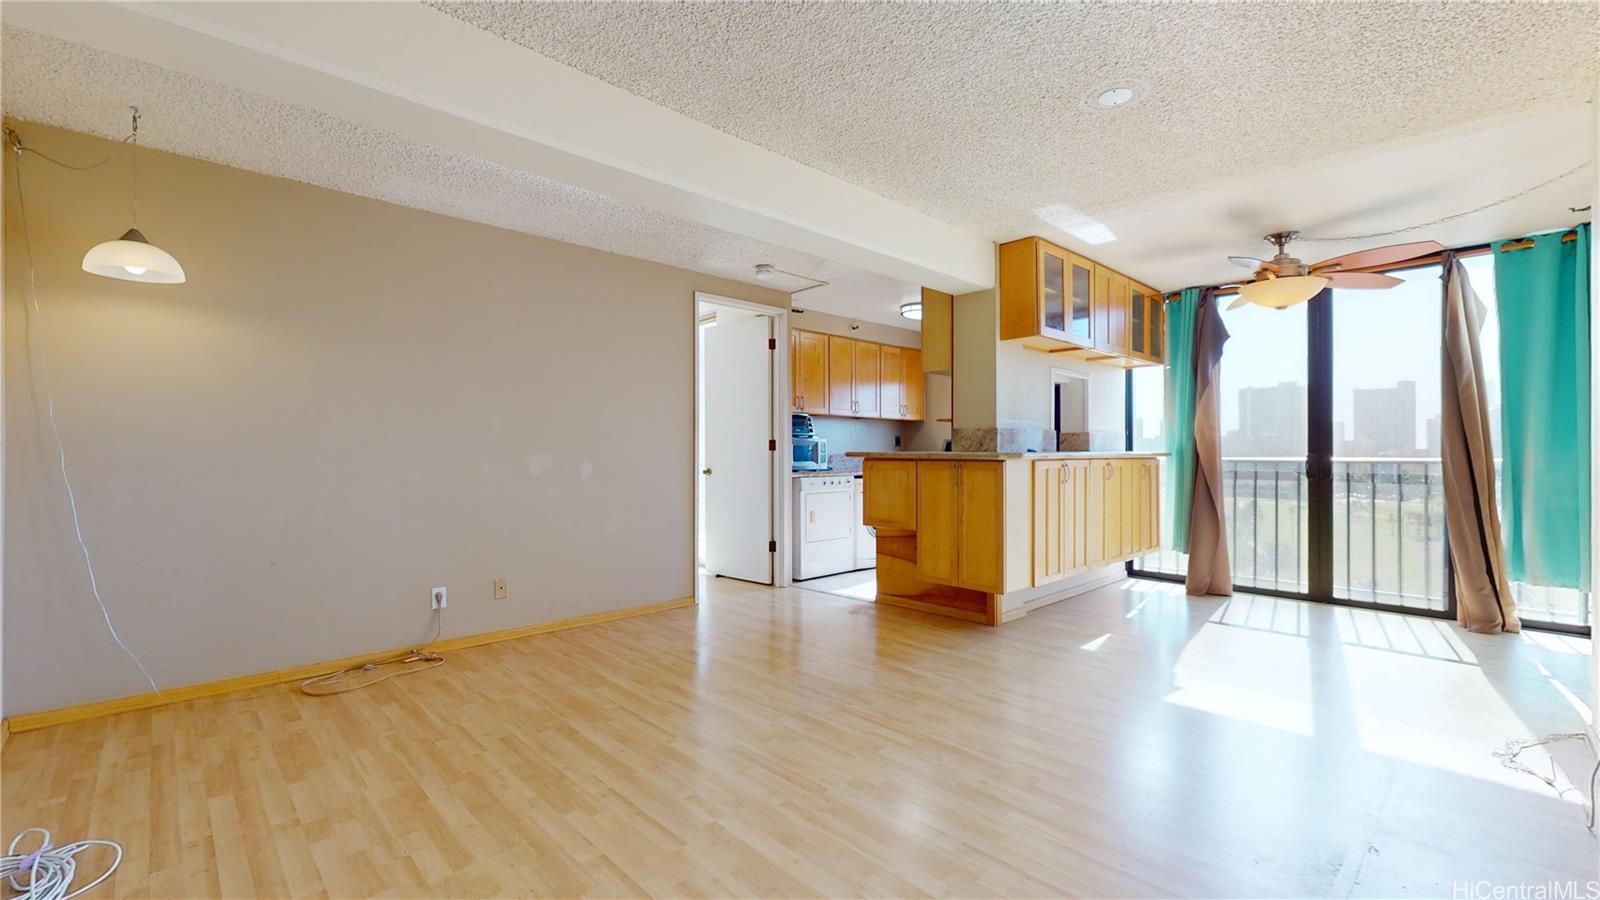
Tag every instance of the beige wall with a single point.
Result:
(1007, 385)
(348, 403)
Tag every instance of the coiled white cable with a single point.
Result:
(49, 870)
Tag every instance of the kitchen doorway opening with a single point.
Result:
(741, 447)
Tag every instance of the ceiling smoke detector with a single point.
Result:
(1115, 97)
(765, 272)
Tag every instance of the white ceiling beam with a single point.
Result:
(416, 72)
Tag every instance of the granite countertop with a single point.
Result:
(991, 455)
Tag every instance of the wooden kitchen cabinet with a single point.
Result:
(900, 380)
(1049, 521)
(1146, 317)
(1054, 300)
(1092, 512)
(890, 486)
(938, 331)
(1045, 295)
(1111, 294)
(853, 368)
(961, 524)
(808, 371)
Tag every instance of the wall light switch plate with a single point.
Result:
(441, 597)
(499, 588)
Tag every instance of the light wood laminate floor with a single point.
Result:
(1128, 742)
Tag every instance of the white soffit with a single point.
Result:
(71, 86)
(982, 114)
(408, 70)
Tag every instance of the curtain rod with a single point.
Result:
(1420, 262)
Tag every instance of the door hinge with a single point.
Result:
(772, 546)
(772, 444)
(772, 343)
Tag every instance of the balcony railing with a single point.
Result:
(1389, 543)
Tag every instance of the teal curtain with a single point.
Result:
(1543, 295)
(1180, 413)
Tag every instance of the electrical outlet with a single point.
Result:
(441, 597)
(499, 588)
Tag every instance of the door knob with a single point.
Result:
(705, 471)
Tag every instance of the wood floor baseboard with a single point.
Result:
(65, 714)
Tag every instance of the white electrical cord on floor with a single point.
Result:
(47, 872)
(50, 400)
(1508, 754)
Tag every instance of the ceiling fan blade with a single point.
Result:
(1237, 303)
(1360, 280)
(1253, 264)
(1381, 256)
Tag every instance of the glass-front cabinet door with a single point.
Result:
(1136, 323)
(1052, 291)
(1156, 317)
(1079, 329)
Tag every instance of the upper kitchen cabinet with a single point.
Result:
(900, 382)
(853, 372)
(808, 371)
(1054, 300)
(1146, 320)
(1045, 295)
(938, 336)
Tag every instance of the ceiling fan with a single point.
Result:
(1284, 281)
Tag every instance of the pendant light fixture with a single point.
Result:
(132, 257)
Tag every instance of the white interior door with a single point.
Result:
(738, 462)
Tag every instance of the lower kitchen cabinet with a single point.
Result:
(1090, 513)
(961, 524)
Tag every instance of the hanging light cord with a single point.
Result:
(50, 405)
(1450, 218)
(135, 139)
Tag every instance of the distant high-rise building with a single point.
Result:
(1433, 444)
(1272, 421)
(1385, 420)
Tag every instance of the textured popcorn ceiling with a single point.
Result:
(976, 113)
(72, 86)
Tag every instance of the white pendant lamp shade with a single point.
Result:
(132, 258)
(1280, 293)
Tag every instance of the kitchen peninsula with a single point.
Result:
(988, 536)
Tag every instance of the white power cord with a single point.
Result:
(50, 402)
(49, 870)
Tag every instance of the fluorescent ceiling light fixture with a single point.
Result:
(912, 309)
(1281, 293)
(1092, 233)
(132, 257)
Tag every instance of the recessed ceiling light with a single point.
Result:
(1115, 97)
(912, 309)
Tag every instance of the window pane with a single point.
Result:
(1388, 500)
(1147, 393)
(1263, 393)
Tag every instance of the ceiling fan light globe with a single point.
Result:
(1284, 292)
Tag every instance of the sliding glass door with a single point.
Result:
(1332, 480)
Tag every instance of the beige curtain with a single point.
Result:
(1209, 572)
(1482, 592)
